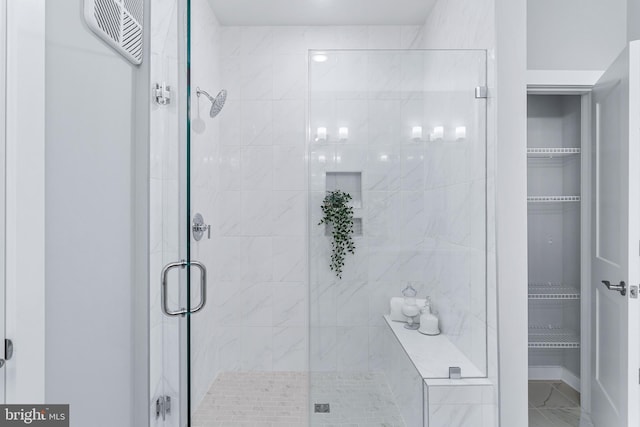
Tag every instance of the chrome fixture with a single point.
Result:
(216, 103)
(163, 407)
(455, 373)
(482, 92)
(199, 227)
(622, 287)
(203, 288)
(162, 93)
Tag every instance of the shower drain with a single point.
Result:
(321, 408)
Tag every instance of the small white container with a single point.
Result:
(429, 322)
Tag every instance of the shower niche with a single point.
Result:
(350, 183)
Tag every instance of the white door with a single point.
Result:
(615, 252)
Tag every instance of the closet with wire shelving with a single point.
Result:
(555, 155)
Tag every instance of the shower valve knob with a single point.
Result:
(199, 227)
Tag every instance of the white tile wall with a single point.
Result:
(205, 183)
(459, 406)
(404, 380)
(260, 208)
(441, 32)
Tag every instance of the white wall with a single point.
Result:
(90, 198)
(576, 34)
(25, 304)
(511, 209)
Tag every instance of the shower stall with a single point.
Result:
(245, 312)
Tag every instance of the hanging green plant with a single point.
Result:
(338, 215)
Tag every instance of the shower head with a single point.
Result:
(216, 103)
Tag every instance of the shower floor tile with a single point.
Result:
(255, 399)
(356, 399)
(281, 399)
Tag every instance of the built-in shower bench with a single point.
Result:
(417, 369)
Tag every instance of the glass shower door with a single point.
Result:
(403, 132)
(178, 223)
(169, 190)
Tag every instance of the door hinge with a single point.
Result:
(482, 92)
(162, 93)
(163, 407)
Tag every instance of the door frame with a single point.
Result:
(3, 118)
(25, 199)
(579, 84)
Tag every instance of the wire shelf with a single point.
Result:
(551, 152)
(552, 337)
(552, 199)
(553, 291)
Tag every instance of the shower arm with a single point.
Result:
(204, 92)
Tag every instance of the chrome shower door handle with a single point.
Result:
(203, 288)
(163, 293)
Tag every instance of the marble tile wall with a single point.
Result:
(442, 30)
(260, 218)
(459, 406)
(205, 184)
(404, 380)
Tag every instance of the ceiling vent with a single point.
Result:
(119, 23)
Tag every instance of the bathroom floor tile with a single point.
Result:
(536, 419)
(568, 392)
(563, 417)
(545, 395)
(553, 404)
